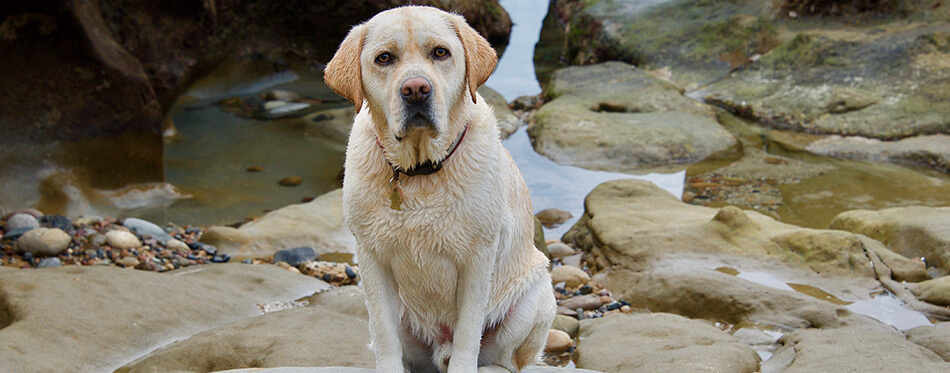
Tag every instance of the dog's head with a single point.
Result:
(417, 68)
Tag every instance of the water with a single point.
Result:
(514, 76)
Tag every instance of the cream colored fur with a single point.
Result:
(460, 255)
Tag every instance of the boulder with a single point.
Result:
(615, 117)
(936, 291)
(508, 123)
(660, 343)
(935, 338)
(922, 232)
(317, 224)
(927, 151)
(100, 318)
(850, 350)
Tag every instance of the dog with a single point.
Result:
(442, 218)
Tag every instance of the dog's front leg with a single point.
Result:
(383, 313)
(473, 290)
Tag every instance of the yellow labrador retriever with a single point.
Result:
(441, 215)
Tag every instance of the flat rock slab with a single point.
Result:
(361, 370)
(317, 224)
(99, 318)
(935, 338)
(615, 117)
(927, 151)
(850, 350)
(660, 343)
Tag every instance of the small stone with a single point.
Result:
(350, 273)
(552, 217)
(273, 104)
(30, 211)
(128, 261)
(625, 309)
(295, 256)
(604, 299)
(255, 169)
(144, 227)
(567, 324)
(88, 220)
(49, 262)
(586, 302)
(571, 276)
(558, 341)
(573, 260)
(211, 250)
(586, 289)
(58, 221)
(21, 220)
(282, 95)
(44, 241)
(16, 233)
(122, 240)
(291, 181)
(560, 250)
(176, 245)
(566, 311)
(221, 258)
(97, 239)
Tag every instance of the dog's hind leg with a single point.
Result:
(520, 338)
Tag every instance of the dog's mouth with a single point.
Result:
(417, 121)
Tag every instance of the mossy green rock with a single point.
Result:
(615, 117)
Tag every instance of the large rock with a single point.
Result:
(99, 318)
(935, 338)
(317, 224)
(660, 343)
(306, 336)
(508, 123)
(878, 82)
(695, 42)
(936, 291)
(615, 117)
(911, 231)
(850, 350)
(927, 151)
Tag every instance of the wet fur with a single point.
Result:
(453, 281)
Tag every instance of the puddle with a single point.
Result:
(514, 75)
(818, 293)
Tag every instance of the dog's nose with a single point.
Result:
(416, 90)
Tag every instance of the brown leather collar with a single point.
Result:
(428, 167)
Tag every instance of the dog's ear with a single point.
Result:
(480, 57)
(343, 72)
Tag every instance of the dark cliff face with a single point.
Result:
(84, 84)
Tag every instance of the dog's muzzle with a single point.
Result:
(415, 93)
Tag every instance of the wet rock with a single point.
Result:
(508, 123)
(122, 240)
(348, 300)
(560, 250)
(586, 302)
(128, 262)
(18, 221)
(317, 224)
(43, 241)
(850, 350)
(571, 276)
(552, 217)
(927, 151)
(558, 341)
(936, 291)
(660, 343)
(295, 256)
(614, 117)
(49, 262)
(935, 338)
(539, 241)
(910, 231)
(566, 324)
(143, 228)
(141, 310)
(176, 245)
(291, 181)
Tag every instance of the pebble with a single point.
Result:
(21, 220)
(558, 341)
(176, 245)
(571, 276)
(559, 250)
(333, 273)
(122, 240)
(625, 309)
(49, 262)
(566, 324)
(58, 221)
(129, 261)
(295, 256)
(16, 233)
(144, 227)
(566, 311)
(586, 302)
(31, 211)
(44, 241)
(291, 181)
(88, 220)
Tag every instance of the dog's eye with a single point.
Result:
(440, 53)
(384, 58)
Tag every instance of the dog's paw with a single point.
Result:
(441, 356)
